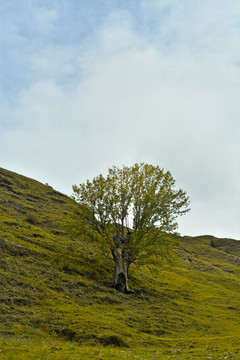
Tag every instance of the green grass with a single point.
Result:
(56, 301)
(43, 349)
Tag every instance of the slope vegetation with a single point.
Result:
(56, 299)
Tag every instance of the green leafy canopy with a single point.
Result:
(131, 208)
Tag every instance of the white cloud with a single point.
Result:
(128, 98)
(200, 27)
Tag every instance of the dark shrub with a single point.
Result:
(112, 340)
(32, 219)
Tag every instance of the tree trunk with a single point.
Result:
(121, 270)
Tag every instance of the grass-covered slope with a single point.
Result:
(56, 301)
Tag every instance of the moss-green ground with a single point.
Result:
(56, 301)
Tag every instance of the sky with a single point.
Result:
(85, 85)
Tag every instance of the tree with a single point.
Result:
(128, 212)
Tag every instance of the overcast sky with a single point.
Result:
(85, 85)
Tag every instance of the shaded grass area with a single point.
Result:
(60, 349)
(56, 298)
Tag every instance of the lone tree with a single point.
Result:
(128, 212)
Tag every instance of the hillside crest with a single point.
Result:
(55, 286)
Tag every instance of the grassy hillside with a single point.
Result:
(56, 301)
